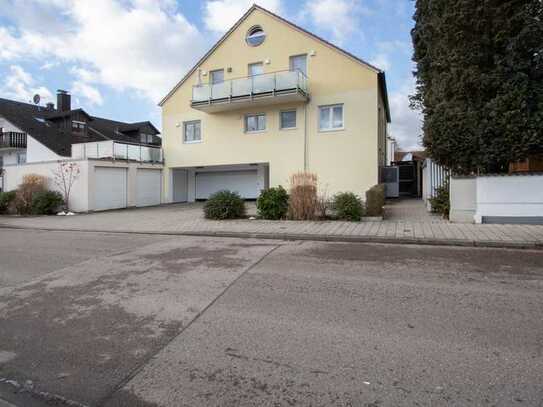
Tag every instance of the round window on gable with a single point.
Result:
(255, 36)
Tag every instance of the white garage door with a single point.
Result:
(243, 182)
(148, 187)
(110, 188)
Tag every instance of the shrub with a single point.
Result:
(441, 202)
(224, 205)
(303, 201)
(273, 203)
(6, 201)
(31, 185)
(375, 200)
(46, 202)
(348, 206)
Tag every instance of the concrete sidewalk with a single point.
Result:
(187, 219)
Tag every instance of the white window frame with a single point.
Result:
(245, 117)
(185, 123)
(331, 107)
(295, 111)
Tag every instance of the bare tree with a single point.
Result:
(65, 176)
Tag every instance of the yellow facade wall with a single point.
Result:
(344, 160)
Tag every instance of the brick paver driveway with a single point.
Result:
(187, 219)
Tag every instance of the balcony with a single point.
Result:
(114, 150)
(12, 140)
(264, 89)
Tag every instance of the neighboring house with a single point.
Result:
(268, 100)
(121, 163)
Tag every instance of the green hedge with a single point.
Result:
(273, 203)
(375, 200)
(46, 203)
(348, 206)
(441, 201)
(224, 205)
(6, 201)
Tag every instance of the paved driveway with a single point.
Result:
(193, 321)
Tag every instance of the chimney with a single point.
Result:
(50, 106)
(64, 101)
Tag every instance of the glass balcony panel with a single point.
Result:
(257, 84)
(220, 90)
(241, 87)
(287, 80)
(133, 152)
(263, 83)
(201, 93)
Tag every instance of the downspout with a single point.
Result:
(305, 137)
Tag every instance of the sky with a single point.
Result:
(118, 58)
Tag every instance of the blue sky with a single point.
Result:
(119, 57)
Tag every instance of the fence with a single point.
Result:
(433, 177)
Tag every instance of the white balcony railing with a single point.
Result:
(268, 83)
(114, 150)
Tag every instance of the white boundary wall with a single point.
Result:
(463, 197)
(497, 199)
(519, 196)
(82, 197)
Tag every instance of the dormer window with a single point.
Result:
(255, 36)
(78, 126)
(146, 138)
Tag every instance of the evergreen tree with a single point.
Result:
(479, 81)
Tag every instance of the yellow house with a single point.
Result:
(268, 100)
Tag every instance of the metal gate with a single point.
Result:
(390, 176)
(408, 178)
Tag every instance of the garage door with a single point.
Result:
(110, 188)
(148, 188)
(243, 182)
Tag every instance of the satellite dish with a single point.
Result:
(36, 99)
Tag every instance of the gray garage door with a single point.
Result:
(148, 187)
(110, 188)
(244, 182)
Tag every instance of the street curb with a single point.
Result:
(308, 237)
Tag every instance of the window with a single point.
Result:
(330, 117)
(216, 76)
(77, 125)
(298, 63)
(192, 132)
(146, 138)
(255, 36)
(21, 158)
(256, 69)
(255, 122)
(288, 119)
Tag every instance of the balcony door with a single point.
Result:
(256, 69)
(299, 63)
(216, 76)
(219, 88)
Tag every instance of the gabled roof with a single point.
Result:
(38, 122)
(382, 80)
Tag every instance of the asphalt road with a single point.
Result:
(162, 321)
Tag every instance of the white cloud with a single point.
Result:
(20, 85)
(381, 61)
(221, 15)
(406, 126)
(140, 45)
(339, 17)
(87, 92)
